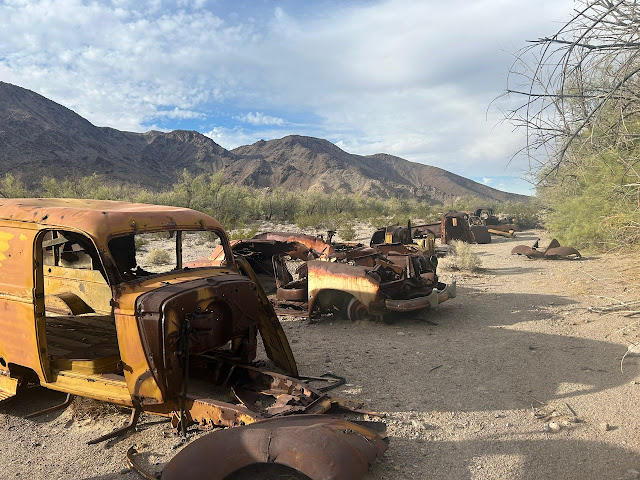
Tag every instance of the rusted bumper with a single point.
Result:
(318, 446)
(432, 300)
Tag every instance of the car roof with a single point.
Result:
(101, 218)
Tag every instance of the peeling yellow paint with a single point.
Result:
(23, 237)
(4, 244)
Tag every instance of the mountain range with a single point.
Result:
(39, 138)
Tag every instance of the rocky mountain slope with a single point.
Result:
(39, 137)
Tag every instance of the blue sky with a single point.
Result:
(405, 77)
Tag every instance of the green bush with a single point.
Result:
(525, 215)
(347, 232)
(241, 233)
(593, 203)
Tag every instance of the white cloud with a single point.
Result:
(405, 77)
(487, 181)
(259, 118)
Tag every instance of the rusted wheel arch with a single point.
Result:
(329, 301)
(318, 446)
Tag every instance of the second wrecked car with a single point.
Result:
(357, 281)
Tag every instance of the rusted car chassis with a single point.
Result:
(85, 311)
(359, 282)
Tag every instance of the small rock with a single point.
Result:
(631, 473)
(400, 334)
(552, 427)
(605, 427)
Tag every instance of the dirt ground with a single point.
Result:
(514, 379)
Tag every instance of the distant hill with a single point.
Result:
(39, 137)
(307, 163)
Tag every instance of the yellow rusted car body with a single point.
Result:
(83, 312)
(37, 289)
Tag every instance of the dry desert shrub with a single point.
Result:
(463, 257)
(158, 256)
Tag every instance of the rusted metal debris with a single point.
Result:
(553, 251)
(360, 282)
(485, 216)
(320, 447)
(87, 313)
(502, 233)
(480, 234)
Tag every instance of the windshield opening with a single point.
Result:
(142, 254)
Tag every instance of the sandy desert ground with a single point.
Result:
(514, 379)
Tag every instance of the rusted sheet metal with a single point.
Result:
(410, 305)
(258, 253)
(22, 334)
(527, 250)
(562, 252)
(351, 279)
(208, 413)
(316, 244)
(8, 385)
(100, 218)
(392, 234)
(455, 226)
(320, 447)
(553, 251)
(501, 233)
(275, 341)
(480, 234)
(505, 227)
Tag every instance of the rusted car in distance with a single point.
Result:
(453, 225)
(313, 277)
(89, 307)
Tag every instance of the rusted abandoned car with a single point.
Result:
(315, 277)
(453, 225)
(85, 310)
(486, 216)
